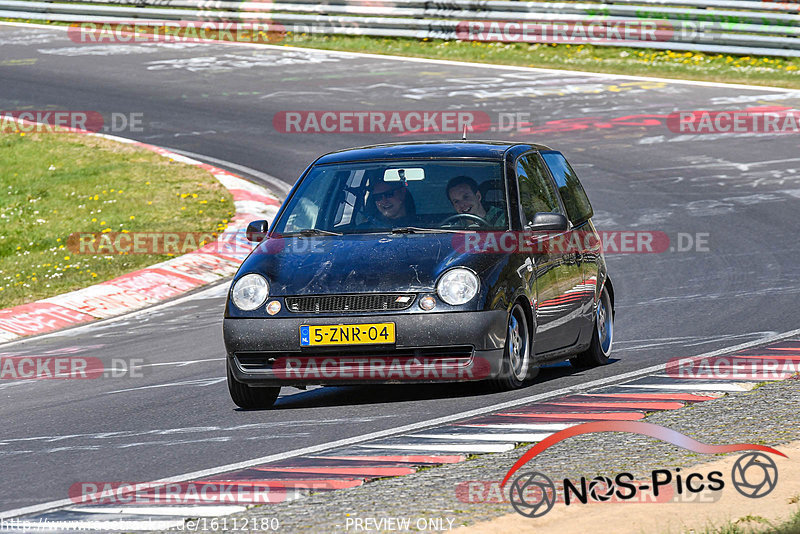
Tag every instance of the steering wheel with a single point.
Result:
(469, 216)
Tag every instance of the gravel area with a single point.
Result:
(769, 414)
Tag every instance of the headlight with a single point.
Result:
(458, 286)
(250, 292)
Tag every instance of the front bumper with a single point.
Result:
(436, 347)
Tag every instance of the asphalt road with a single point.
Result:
(219, 101)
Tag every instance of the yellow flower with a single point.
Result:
(106, 230)
(132, 217)
(125, 232)
(201, 211)
(147, 183)
(194, 195)
(149, 202)
(94, 219)
(102, 223)
(66, 257)
(183, 207)
(109, 190)
(22, 134)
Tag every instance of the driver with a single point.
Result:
(394, 203)
(466, 198)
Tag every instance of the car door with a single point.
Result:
(582, 255)
(555, 307)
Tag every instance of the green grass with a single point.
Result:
(781, 72)
(754, 524)
(53, 185)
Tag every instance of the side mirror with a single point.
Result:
(548, 221)
(257, 231)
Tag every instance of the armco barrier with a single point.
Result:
(716, 26)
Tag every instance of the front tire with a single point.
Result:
(602, 338)
(249, 397)
(516, 365)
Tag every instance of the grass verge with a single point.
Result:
(57, 184)
(757, 525)
(774, 71)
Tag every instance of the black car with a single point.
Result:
(420, 262)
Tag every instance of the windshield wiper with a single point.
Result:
(308, 232)
(415, 230)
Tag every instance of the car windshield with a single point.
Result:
(398, 196)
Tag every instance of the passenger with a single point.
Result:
(466, 198)
(394, 203)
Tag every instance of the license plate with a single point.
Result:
(347, 334)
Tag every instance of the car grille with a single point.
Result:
(456, 355)
(364, 302)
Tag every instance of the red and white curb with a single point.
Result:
(355, 464)
(158, 282)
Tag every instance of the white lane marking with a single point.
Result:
(208, 292)
(182, 363)
(702, 386)
(272, 182)
(414, 426)
(382, 57)
(191, 430)
(201, 382)
(184, 511)
(475, 448)
(512, 438)
(525, 426)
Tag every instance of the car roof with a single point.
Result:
(426, 150)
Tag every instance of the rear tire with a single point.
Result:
(249, 397)
(516, 365)
(602, 338)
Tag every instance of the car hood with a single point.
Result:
(360, 263)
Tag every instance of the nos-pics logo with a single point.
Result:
(533, 494)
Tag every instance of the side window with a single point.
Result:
(575, 200)
(535, 189)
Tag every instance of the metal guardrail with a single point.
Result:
(717, 26)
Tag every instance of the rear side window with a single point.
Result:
(579, 210)
(535, 190)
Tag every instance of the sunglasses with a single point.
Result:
(386, 194)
